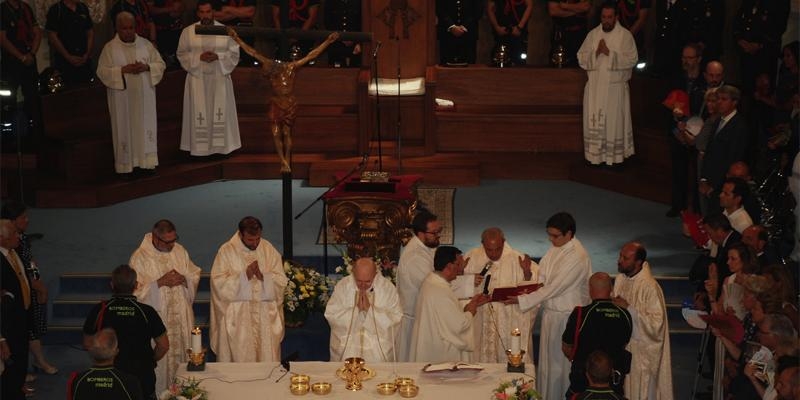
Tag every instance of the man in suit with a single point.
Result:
(457, 30)
(727, 146)
(15, 299)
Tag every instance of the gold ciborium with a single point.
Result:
(353, 367)
(515, 363)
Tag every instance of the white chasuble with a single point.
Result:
(367, 334)
(173, 304)
(210, 122)
(607, 128)
(494, 322)
(131, 101)
(247, 315)
(651, 369)
(442, 329)
(565, 273)
(416, 262)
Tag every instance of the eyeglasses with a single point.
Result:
(167, 241)
(437, 232)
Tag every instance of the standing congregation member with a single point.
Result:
(495, 322)
(103, 380)
(130, 67)
(247, 284)
(15, 301)
(457, 30)
(416, 262)
(167, 281)
(637, 291)
(70, 32)
(364, 314)
(137, 326)
(442, 328)
(210, 122)
(564, 270)
(608, 55)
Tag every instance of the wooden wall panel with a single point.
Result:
(414, 53)
(509, 133)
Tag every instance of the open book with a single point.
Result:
(503, 293)
(451, 366)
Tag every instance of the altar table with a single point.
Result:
(253, 380)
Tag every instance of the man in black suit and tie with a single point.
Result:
(727, 146)
(15, 299)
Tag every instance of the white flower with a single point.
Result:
(179, 397)
(511, 390)
(197, 397)
(165, 395)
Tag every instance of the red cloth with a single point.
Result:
(677, 99)
(694, 224)
(404, 185)
(728, 325)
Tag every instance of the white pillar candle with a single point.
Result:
(515, 339)
(197, 340)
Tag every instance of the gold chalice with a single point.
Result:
(353, 367)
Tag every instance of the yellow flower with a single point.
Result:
(300, 277)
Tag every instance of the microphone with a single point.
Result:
(377, 47)
(486, 285)
(486, 268)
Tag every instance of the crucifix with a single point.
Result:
(282, 103)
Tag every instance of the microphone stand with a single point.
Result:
(399, 137)
(324, 222)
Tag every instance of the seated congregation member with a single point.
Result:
(507, 267)
(778, 339)
(442, 328)
(636, 290)
(787, 378)
(600, 375)
(510, 25)
(722, 236)
(167, 281)
(599, 326)
(136, 324)
(103, 380)
(247, 284)
(210, 123)
(364, 314)
(784, 286)
(756, 238)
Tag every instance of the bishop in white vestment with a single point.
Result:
(442, 327)
(130, 68)
(416, 262)
(636, 289)
(167, 281)
(210, 122)
(608, 55)
(564, 270)
(364, 314)
(495, 321)
(247, 286)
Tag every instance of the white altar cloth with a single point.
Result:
(249, 380)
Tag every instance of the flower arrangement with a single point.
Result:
(388, 268)
(307, 291)
(517, 389)
(187, 390)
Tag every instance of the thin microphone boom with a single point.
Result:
(377, 47)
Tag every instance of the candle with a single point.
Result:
(197, 340)
(515, 338)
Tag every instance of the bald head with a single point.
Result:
(493, 241)
(715, 74)
(600, 285)
(364, 271)
(755, 237)
(739, 169)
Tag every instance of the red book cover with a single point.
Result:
(503, 293)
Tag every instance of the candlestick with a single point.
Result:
(197, 340)
(515, 341)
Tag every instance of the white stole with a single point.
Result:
(213, 125)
